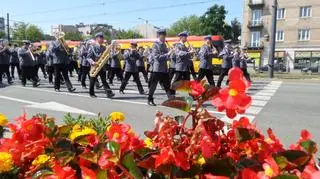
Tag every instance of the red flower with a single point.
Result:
(248, 173)
(166, 156)
(104, 161)
(209, 144)
(88, 173)
(196, 88)
(233, 99)
(62, 172)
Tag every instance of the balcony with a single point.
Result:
(255, 24)
(254, 45)
(256, 3)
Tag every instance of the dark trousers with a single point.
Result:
(224, 72)
(73, 65)
(156, 77)
(115, 72)
(136, 79)
(103, 76)
(50, 72)
(246, 74)
(61, 69)
(27, 72)
(171, 73)
(206, 73)
(193, 73)
(144, 73)
(80, 73)
(40, 66)
(4, 69)
(84, 74)
(13, 66)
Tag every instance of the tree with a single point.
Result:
(190, 24)
(127, 34)
(76, 36)
(213, 21)
(2, 34)
(34, 33)
(235, 30)
(22, 31)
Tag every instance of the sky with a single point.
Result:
(123, 14)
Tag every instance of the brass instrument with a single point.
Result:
(118, 51)
(60, 38)
(100, 62)
(192, 50)
(31, 55)
(171, 48)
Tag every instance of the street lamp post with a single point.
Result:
(273, 38)
(146, 21)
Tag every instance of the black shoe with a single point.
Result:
(23, 85)
(110, 95)
(45, 76)
(62, 83)
(142, 92)
(151, 103)
(93, 96)
(57, 90)
(10, 82)
(71, 89)
(121, 92)
(84, 87)
(36, 85)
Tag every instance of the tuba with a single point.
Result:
(100, 62)
(60, 38)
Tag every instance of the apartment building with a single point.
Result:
(297, 34)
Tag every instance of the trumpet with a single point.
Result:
(60, 38)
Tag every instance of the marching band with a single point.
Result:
(165, 64)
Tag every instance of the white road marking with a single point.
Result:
(53, 106)
(264, 98)
(228, 120)
(256, 102)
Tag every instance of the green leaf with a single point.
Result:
(113, 147)
(281, 161)
(296, 158)
(65, 130)
(63, 144)
(210, 93)
(194, 170)
(130, 164)
(182, 85)
(102, 174)
(309, 146)
(286, 177)
(65, 157)
(249, 163)
(90, 156)
(244, 134)
(41, 173)
(182, 103)
(220, 167)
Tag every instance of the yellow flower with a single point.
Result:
(41, 159)
(3, 120)
(148, 142)
(201, 161)
(6, 162)
(78, 131)
(268, 171)
(117, 116)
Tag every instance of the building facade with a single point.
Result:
(146, 30)
(2, 24)
(297, 34)
(63, 28)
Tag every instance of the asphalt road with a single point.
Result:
(286, 107)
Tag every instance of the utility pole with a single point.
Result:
(146, 21)
(8, 28)
(273, 38)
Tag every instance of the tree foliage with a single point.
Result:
(2, 34)
(235, 29)
(24, 31)
(127, 34)
(76, 36)
(213, 21)
(190, 24)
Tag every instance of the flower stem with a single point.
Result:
(125, 171)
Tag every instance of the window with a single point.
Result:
(280, 13)
(305, 11)
(280, 35)
(255, 39)
(303, 34)
(256, 16)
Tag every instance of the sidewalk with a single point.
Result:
(288, 76)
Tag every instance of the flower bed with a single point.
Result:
(109, 148)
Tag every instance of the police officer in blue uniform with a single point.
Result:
(244, 66)
(172, 68)
(60, 65)
(14, 61)
(227, 55)
(49, 66)
(84, 64)
(160, 56)
(131, 57)
(141, 65)
(94, 53)
(207, 52)
(27, 64)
